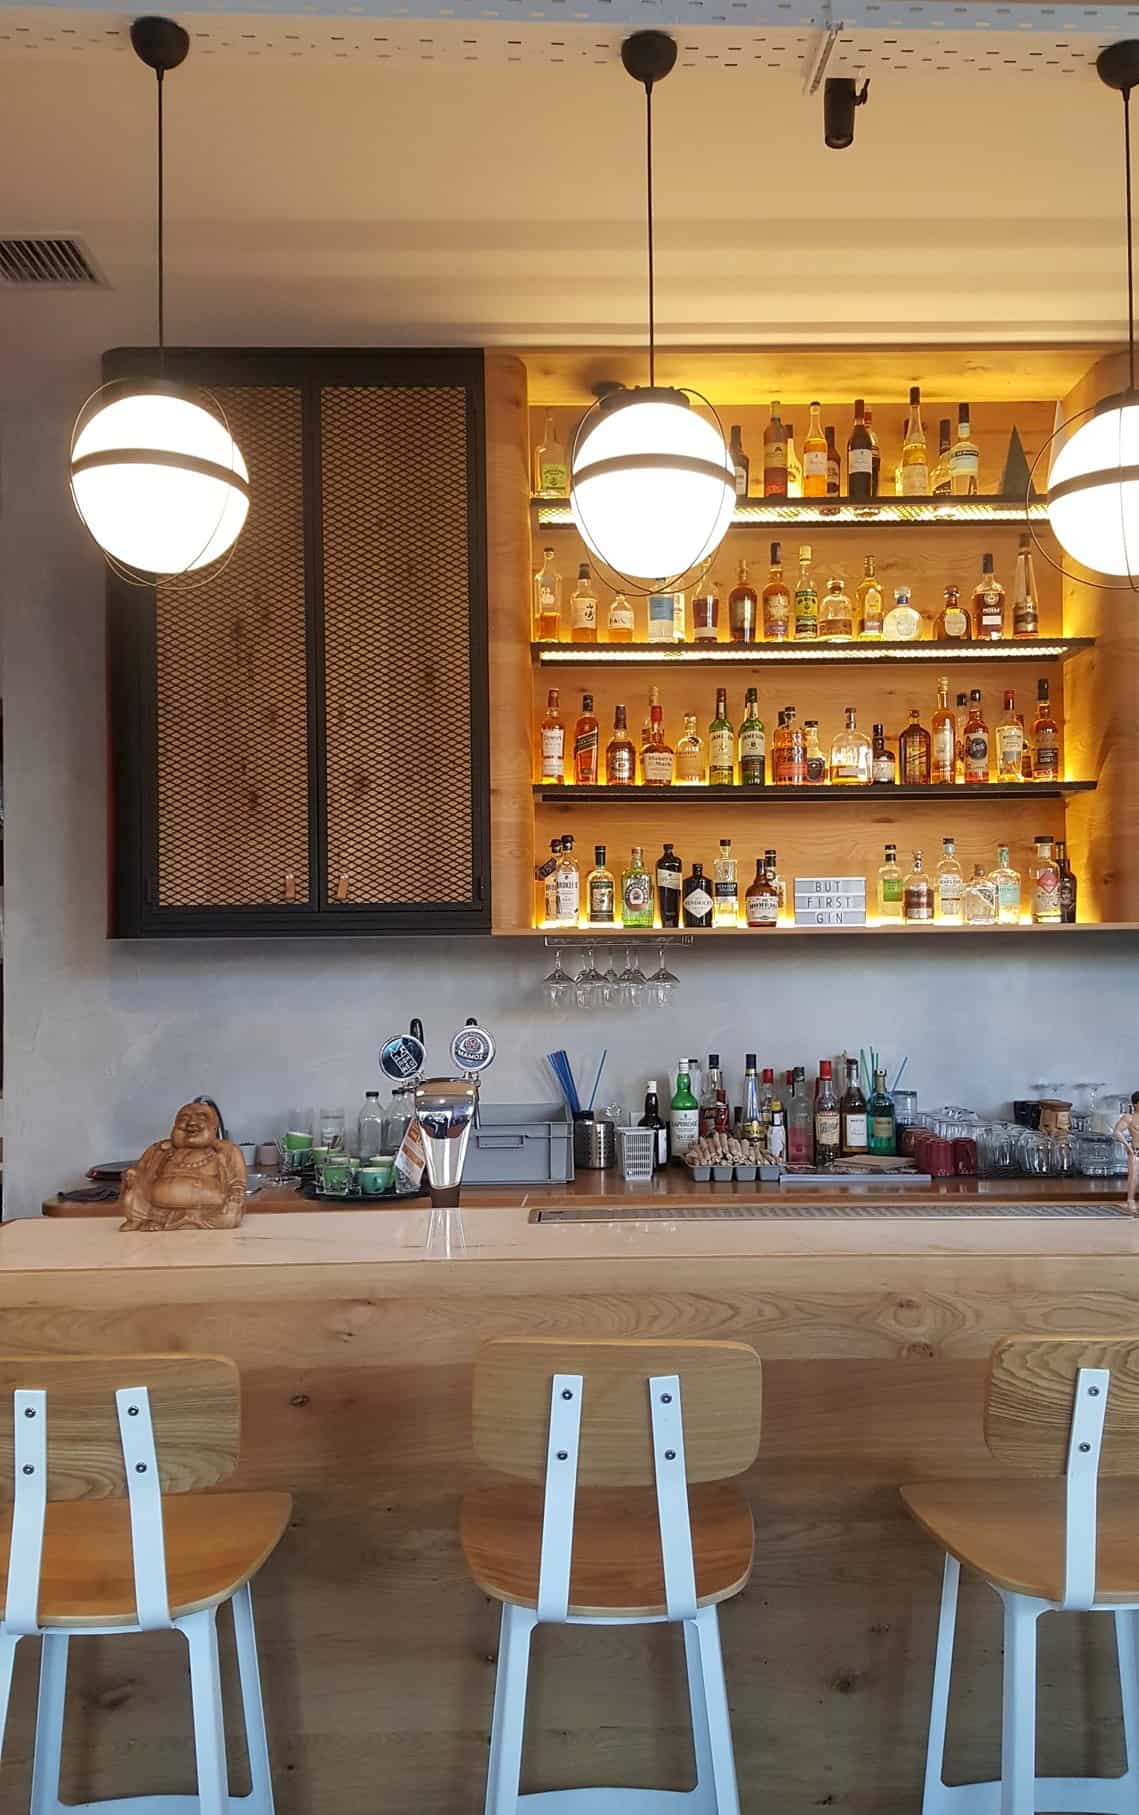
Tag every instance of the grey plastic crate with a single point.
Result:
(520, 1144)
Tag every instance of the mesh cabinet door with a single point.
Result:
(404, 650)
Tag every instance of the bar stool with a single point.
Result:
(1066, 1409)
(91, 1451)
(625, 1448)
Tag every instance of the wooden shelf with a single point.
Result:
(839, 795)
(887, 512)
(803, 655)
(613, 935)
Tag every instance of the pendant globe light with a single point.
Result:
(1093, 487)
(156, 476)
(652, 487)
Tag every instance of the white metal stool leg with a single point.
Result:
(934, 1795)
(1018, 1721)
(721, 1756)
(8, 1643)
(200, 1630)
(505, 1768)
(1127, 1651)
(49, 1724)
(260, 1798)
(698, 1705)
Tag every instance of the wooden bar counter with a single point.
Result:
(355, 1349)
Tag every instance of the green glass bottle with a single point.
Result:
(721, 745)
(881, 1126)
(683, 1115)
(636, 891)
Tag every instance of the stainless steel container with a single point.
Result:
(594, 1142)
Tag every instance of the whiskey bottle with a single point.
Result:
(1069, 888)
(950, 885)
(551, 473)
(546, 877)
(1010, 741)
(915, 459)
(836, 621)
(1006, 882)
(697, 905)
(979, 901)
(859, 458)
(779, 882)
(1026, 755)
(586, 745)
(988, 605)
(620, 756)
(890, 884)
(914, 752)
(657, 755)
(943, 728)
(721, 745)
(740, 462)
(661, 618)
(917, 893)
(794, 465)
(1025, 616)
(953, 623)
(776, 600)
(828, 1127)
(753, 744)
(834, 464)
(903, 622)
(806, 600)
(583, 609)
(1045, 738)
(690, 766)
(939, 482)
(815, 760)
(964, 458)
(636, 891)
(567, 887)
(779, 749)
(600, 891)
(794, 766)
(725, 887)
(547, 600)
(851, 756)
(683, 1115)
(706, 609)
(875, 454)
(669, 871)
(553, 736)
(975, 742)
(743, 609)
(883, 764)
(881, 1121)
(815, 457)
(619, 625)
(761, 901)
(774, 457)
(1045, 883)
(962, 715)
(869, 610)
(853, 1133)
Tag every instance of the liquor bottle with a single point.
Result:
(660, 621)
(774, 457)
(545, 875)
(619, 625)
(713, 1099)
(740, 462)
(794, 465)
(988, 605)
(636, 891)
(975, 742)
(834, 464)
(753, 744)
(914, 752)
(772, 869)
(962, 715)
(697, 904)
(806, 600)
(653, 1119)
(547, 600)
(828, 1126)
(725, 887)
(859, 458)
(777, 1131)
(752, 1118)
(776, 601)
(793, 768)
(761, 900)
(939, 479)
(964, 458)
(743, 609)
(553, 742)
(690, 768)
(1006, 882)
(706, 609)
(679, 622)
(779, 749)
(683, 1115)
(917, 893)
(1045, 883)
(943, 727)
(915, 459)
(551, 473)
(669, 873)
(979, 901)
(853, 1132)
(875, 454)
(583, 608)
(620, 756)
(869, 610)
(1010, 741)
(883, 763)
(1069, 887)
(950, 884)
(903, 623)
(800, 1122)
(954, 624)
(567, 909)
(881, 1122)
(890, 886)
(721, 744)
(851, 755)
(586, 745)
(657, 755)
(600, 891)
(815, 457)
(1026, 754)
(1045, 738)
(1025, 616)
(836, 622)
(816, 761)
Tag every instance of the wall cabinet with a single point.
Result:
(300, 741)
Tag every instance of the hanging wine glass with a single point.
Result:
(661, 982)
(557, 986)
(589, 983)
(632, 981)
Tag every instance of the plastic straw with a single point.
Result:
(597, 1079)
(901, 1069)
(560, 1066)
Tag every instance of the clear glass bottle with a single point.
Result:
(697, 899)
(903, 622)
(713, 1099)
(547, 600)
(691, 768)
(1025, 613)
(939, 479)
(743, 609)
(815, 456)
(961, 715)
(851, 762)
(706, 608)
(740, 462)
(793, 768)
(551, 472)
(890, 886)
(776, 600)
(881, 1122)
(883, 763)
(620, 624)
(915, 457)
(752, 744)
(988, 605)
(836, 622)
(370, 1127)
(1045, 738)
(761, 900)
(794, 465)
(1010, 741)
(859, 457)
(917, 893)
(954, 624)
(950, 885)
(620, 756)
(600, 891)
(636, 891)
(914, 746)
(979, 900)
(1006, 882)
(774, 457)
(546, 877)
(683, 1115)
(567, 884)
(814, 755)
(964, 458)
(721, 745)
(943, 729)
(1045, 883)
(834, 464)
(553, 742)
(800, 1122)
(806, 600)
(725, 887)
(828, 1127)
(869, 609)
(751, 1121)
(669, 890)
(854, 1136)
(976, 744)
(583, 608)
(657, 758)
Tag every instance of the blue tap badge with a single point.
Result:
(472, 1049)
(402, 1058)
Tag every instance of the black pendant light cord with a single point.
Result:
(161, 226)
(1130, 240)
(649, 194)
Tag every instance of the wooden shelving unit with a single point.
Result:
(841, 796)
(802, 655)
(696, 936)
(843, 513)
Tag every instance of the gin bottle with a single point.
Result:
(917, 893)
(890, 884)
(1006, 882)
(950, 885)
(851, 756)
(636, 891)
(725, 887)
(979, 901)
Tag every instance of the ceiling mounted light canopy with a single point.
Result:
(156, 476)
(652, 487)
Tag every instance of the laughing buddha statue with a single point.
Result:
(192, 1180)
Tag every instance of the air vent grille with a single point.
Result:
(47, 261)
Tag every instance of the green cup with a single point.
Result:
(295, 1140)
(376, 1178)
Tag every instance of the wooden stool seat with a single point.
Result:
(215, 1543)
(616, 1567)
(1012, 1533)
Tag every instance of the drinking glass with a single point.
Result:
(612, 991)
(661, 982)
(589, 984)
(557, 986)
(332, 1128)
(632, 981)
(294, 1144)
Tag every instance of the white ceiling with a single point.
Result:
(369, 179)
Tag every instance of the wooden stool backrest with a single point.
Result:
(721, 1394)
(1032, 1386)
(194, 1406)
